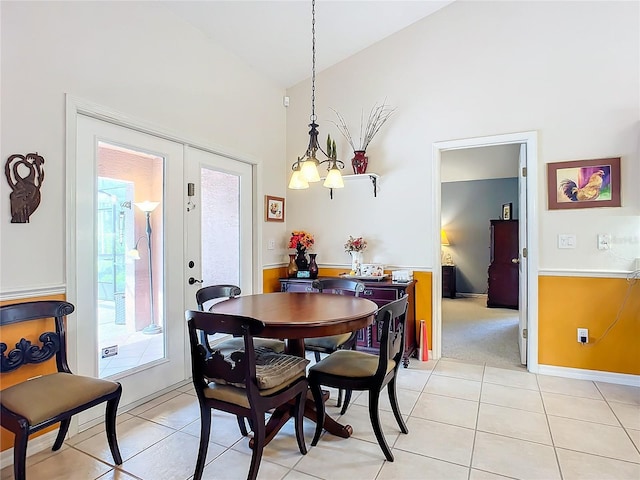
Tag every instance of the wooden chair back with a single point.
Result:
(391, 322)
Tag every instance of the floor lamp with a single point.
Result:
(147, 207)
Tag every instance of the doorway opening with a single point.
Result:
(525, 261)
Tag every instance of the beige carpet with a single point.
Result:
(474, 333)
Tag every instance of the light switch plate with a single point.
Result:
(566, 240)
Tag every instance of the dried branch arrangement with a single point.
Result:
(378, 116)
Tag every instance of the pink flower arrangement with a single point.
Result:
(355, 244)
(301, 240)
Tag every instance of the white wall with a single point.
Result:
(569, 70)
(135, 58)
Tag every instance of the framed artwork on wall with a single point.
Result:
(273, 209)
(506, 211)
(584, 183)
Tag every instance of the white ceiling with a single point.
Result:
(274, 37)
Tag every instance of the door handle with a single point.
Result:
(515, 260)
(193, 280)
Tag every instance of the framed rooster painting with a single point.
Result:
(584, 183)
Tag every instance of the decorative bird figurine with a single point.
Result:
(590, 191)
(25, 175)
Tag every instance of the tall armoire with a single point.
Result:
(503, 267)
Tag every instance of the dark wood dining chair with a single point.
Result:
(42, 401)
(211, 293)
(332, 343)
(354, 370)
(247, 382)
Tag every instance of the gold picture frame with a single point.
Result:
(273, 209)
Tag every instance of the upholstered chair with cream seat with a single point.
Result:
(47, 399)
(247, 382)
(353, 370)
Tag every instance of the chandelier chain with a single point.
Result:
(313, 61)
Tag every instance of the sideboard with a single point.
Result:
(380, 292)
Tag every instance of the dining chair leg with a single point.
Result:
(299, 422)
(110, 428)
(393, 400)
(205, 430)
(339, 402)
(20, 454)
(347, 399)
(259, 434)
(62, 432)
(242, 425)
(319, 404)
(317, 356)
(374, 397)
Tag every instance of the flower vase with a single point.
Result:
(292, 268)
(301, 260)
(313, 266)
(359, 161)
(356, 262)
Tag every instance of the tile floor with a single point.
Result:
(466, 421)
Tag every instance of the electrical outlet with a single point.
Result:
(271, 244)
(583, 335)
(604, 241)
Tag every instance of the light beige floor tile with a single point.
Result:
(224, 428)
(480, 475)
(68, 464)
(416, 364)
(455, 411)
(177, 412)
(635, 437)
(514, 458)
(453, 387)
(437, 440)
(117, 474)
(188, 388)
(234, 465)
(511, 422)
(295, 475)
(171, 458)
(154, 402)
(348, 458)
(406, 400)
(594, 438)
(519, 398)
(283, 448)
(569, 386)
(579, 408)
(409, 465)
(134, 436)
(581, 466)
(412, 379)
(511, 378)
(452, 368)
(358, 417)
(619, 393)
(628, 415)
(96, 430)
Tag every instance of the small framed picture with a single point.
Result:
(506, 211)
(273, 209)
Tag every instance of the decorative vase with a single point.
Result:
(292, 268)
(359, 161)
(356, 262)
(313, 266)
(301, 259)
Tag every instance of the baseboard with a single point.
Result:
(35, 445)
(593, 375)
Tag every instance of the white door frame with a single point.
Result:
(76, 106)
(530, 139)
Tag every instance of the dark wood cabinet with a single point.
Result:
(503, 282)
(449, 281)
(381, 293)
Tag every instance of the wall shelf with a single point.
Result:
(372, 176)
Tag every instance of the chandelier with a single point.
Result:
(305, 168)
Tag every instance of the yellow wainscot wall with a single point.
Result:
(568, 303)
(11, 334)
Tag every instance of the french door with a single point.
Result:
(128, 258)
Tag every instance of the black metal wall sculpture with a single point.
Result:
(25, 175)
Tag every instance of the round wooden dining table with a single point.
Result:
(294, 316)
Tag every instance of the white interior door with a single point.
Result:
(219, 223)
(128, 207)
(522, 266)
